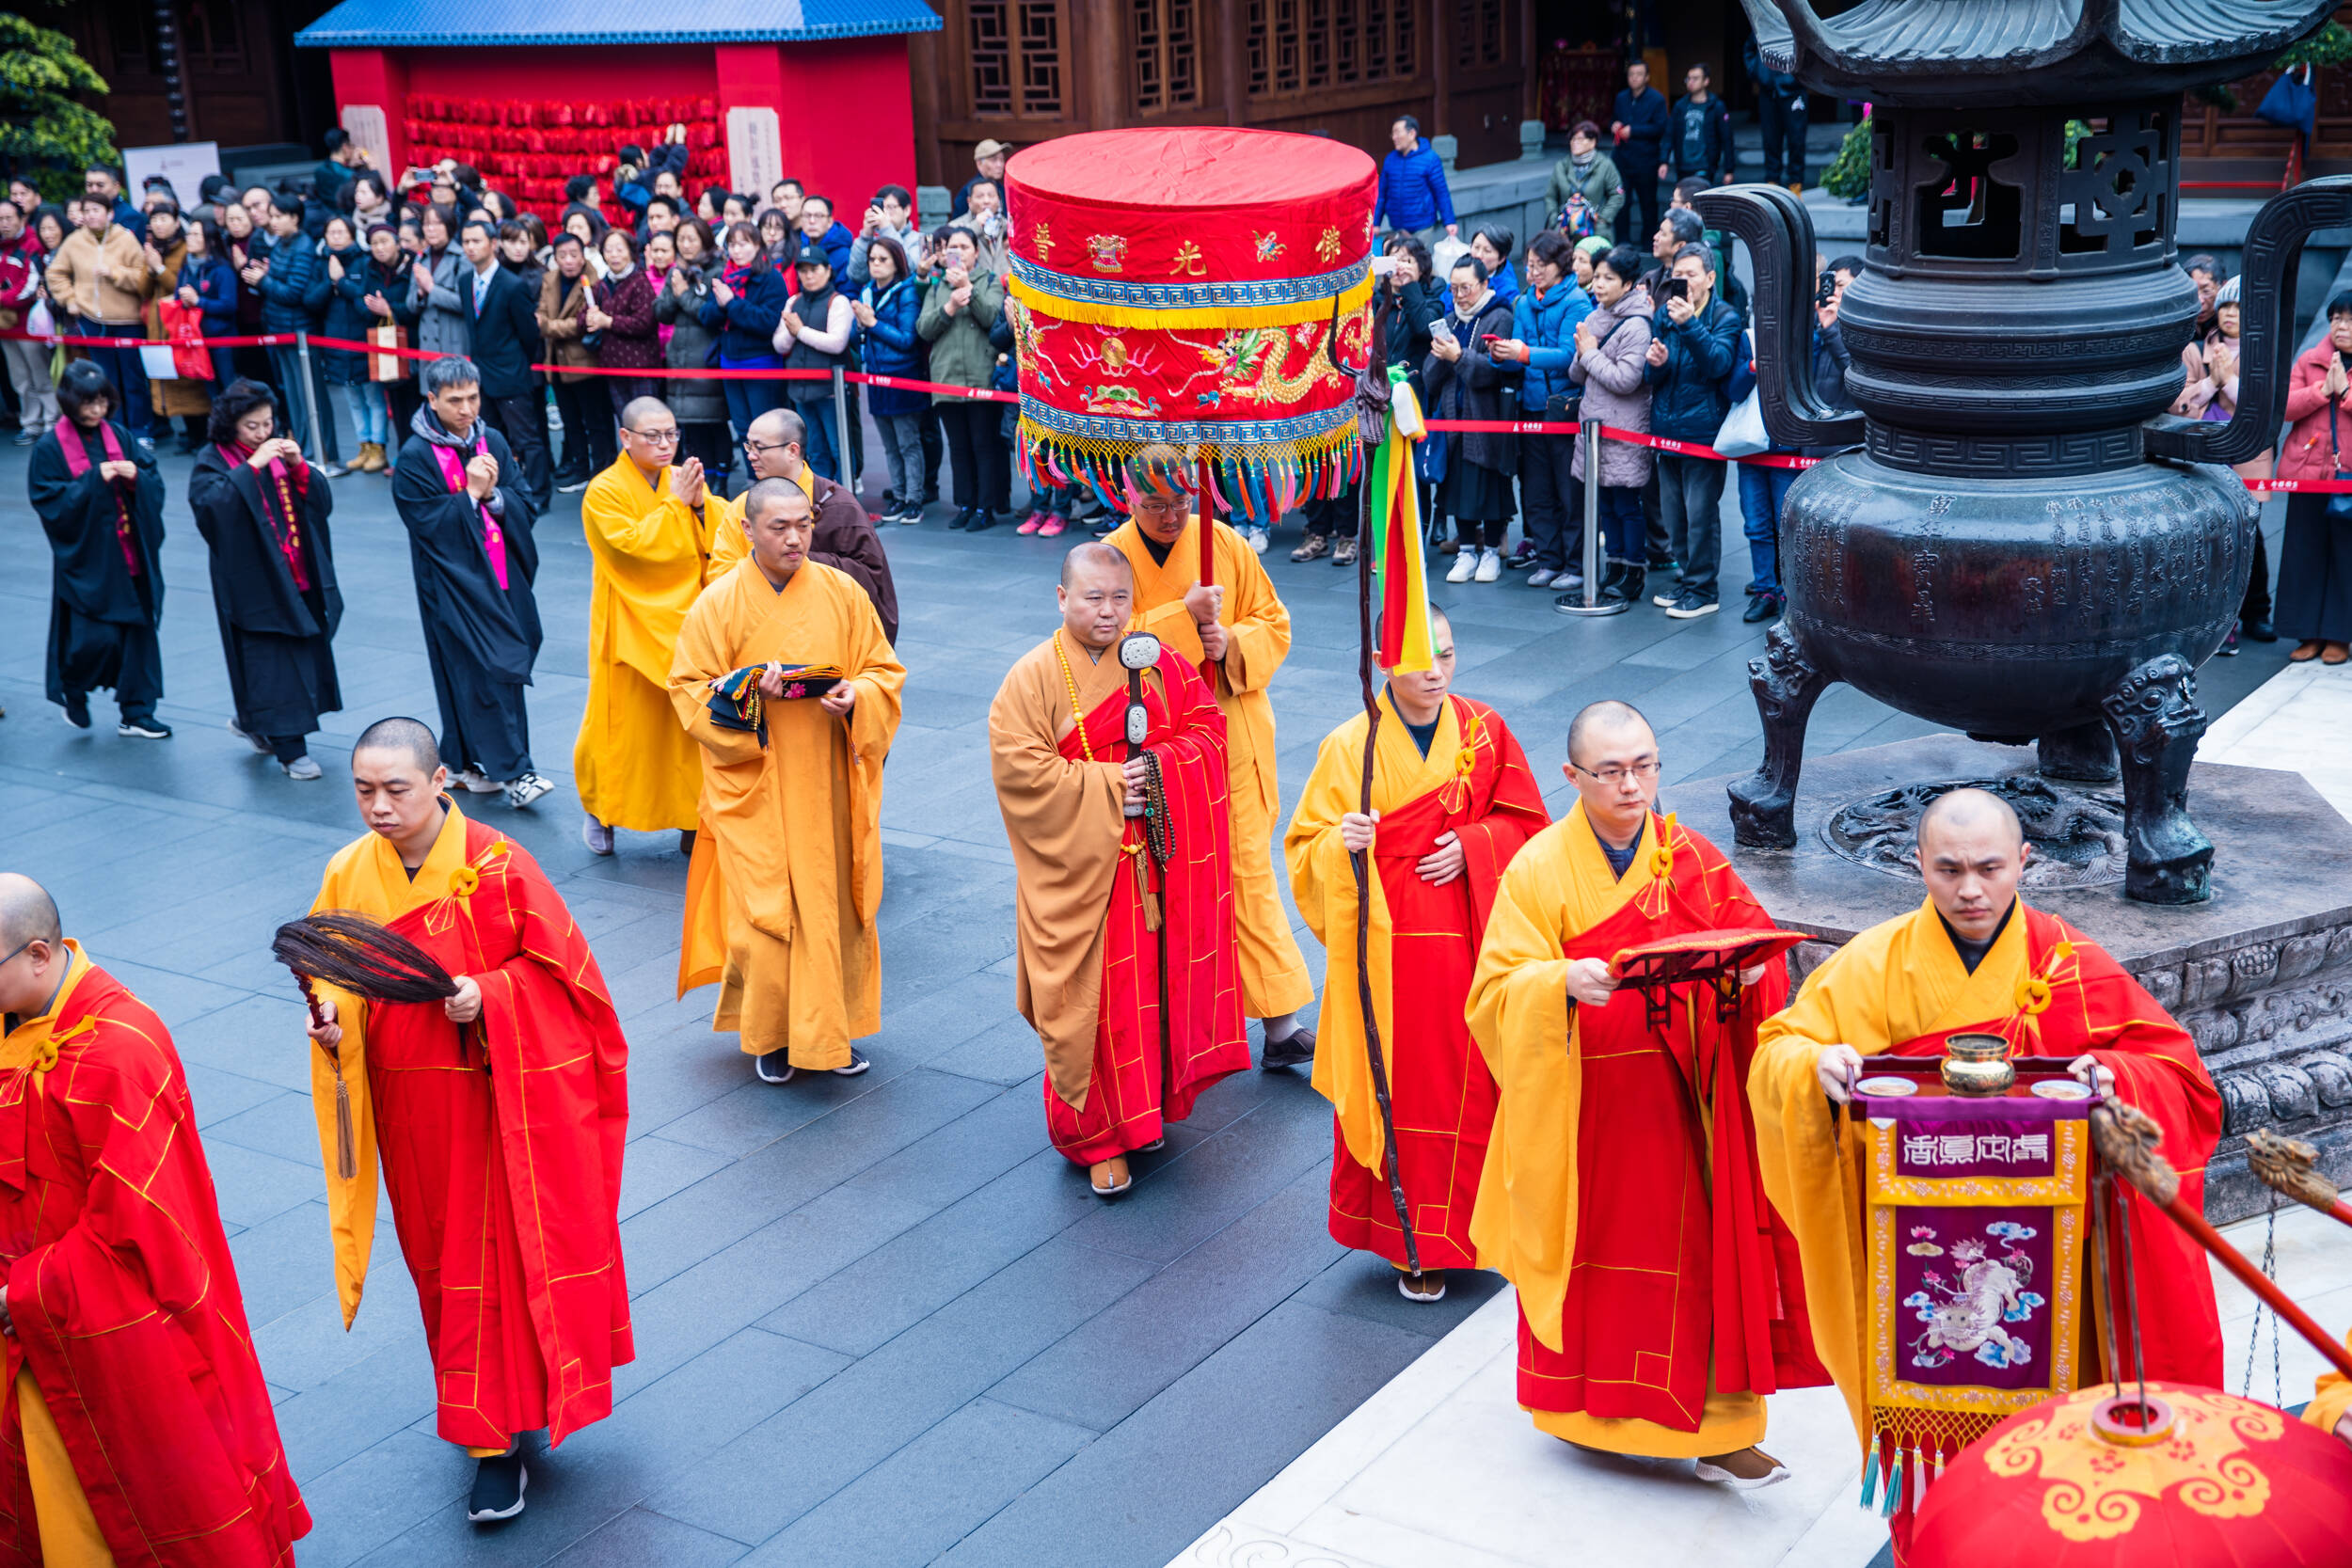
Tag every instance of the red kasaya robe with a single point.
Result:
(1659, 1293)
(1063, 815)
(1473, 782)
(124, 1310)
(501, 1140)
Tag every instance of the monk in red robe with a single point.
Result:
(1453, 799)
(1658, 1297)
(1129, 1044)
(1974, 957)
(140, 1431)
(499, 1115)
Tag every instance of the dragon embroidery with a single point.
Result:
(1249, 363)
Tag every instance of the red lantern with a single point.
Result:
(2205, 1479)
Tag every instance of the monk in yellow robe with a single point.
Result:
(650, 529)
(785, 679)
(1619, 1194)
(1975, 957)
(1451, 802)
(1237, 631)
(845, 538)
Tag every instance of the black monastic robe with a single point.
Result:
(102, 614)
(276, 634)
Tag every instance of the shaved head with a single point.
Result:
(1968, 812)
(771, 494)
(402, 735)
(28, 913)
(638, 410)
(1089, 556)
(1605, 718)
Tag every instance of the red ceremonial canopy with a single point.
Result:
(1198, 285)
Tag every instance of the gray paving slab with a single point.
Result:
(878, 1320)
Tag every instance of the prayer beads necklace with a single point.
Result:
(1077, 714)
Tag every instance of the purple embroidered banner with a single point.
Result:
(1970, 1282)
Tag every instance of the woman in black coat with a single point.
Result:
(262, 512)
(1466, 382)
(101, 502)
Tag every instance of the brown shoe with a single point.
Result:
(1313, 547)
(2306, 651)
(1110, 1177)
(1744, 1471)
(1425, 1286)
(1796, 187)
(2336, 653)
(1344, 554)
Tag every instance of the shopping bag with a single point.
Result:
(387, 367)
(184, 328)
(156, 359)
(1743, 433)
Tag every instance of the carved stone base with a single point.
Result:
(2260, 973)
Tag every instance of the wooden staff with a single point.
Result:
(1359, 862)
(2127, 1137)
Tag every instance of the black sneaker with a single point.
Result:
(857, 1064)
(149, 728)
(1691, 603)
(1623, 581)
(2229, 645)
(982, 521)
(963, 518)
(1763, 607)
(774, 1067)
(77, 710)
(498, 1488)
(1296, 1049)
(2258, 631)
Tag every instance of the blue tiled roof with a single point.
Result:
(460, 23)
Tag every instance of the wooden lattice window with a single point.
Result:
(1478, 33)
(1167, 54)
(1016, 57)
(1312, 46)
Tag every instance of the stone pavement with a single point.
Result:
(879, 1321)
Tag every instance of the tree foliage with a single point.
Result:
(44, 133)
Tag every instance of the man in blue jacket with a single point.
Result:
(502, 314)
(1639, 121)
(1413, 194)
(1694, 346)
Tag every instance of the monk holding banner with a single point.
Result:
(1238, 630)
(1974, 957)
(1125, 907)
(139, 1430)
(785, 679)
(650, 528)
(1451, 802)
(500, 1116)
(1659, 1300)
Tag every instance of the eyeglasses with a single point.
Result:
(756, 448)
(21, 946)
(1158, 508)
(1612, 776)
(657, 437)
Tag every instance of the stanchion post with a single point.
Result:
(841, 426)
(310, 398)
(1589, 432)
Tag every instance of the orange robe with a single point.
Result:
(141, 1432)
(1088, 980)
(1658, 1297)
(1474, 783)
(1900, 989)
(501, 1140)
(786, 876)
(633, 765)
(1274, 978)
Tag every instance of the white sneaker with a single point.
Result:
(595, 835)
(1539, 578)
(257, 742)
(1465, 564)
(525, 788)
(476, 782)
(304, 768)
(1489, 566)
(1258, 540)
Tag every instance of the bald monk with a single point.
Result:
(776, 448)
(499, 1115)
(1451, 802)
(1238, 628)
(1961, 961)
(649, 528)
(140, 1420)
(1656, 1310)
(786, 874)
(1094, 900)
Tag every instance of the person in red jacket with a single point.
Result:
(2314, 603)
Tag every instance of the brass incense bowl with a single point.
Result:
(1978, 1064)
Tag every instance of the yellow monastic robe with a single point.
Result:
(786, 879)
(1525, 1224)
(634, 767)
(1274, 978)
(2331, 1400)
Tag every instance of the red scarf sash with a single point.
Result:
(285, 525)
(454, 474)
(77, 463)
